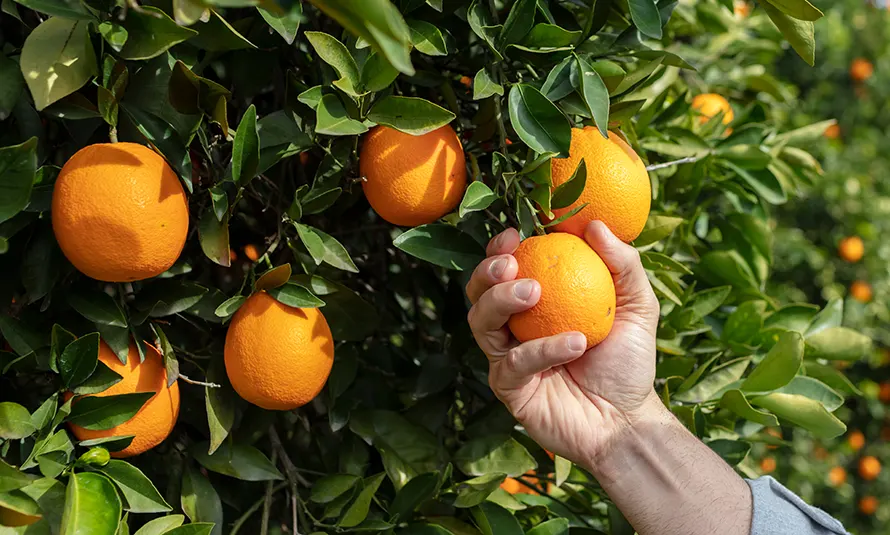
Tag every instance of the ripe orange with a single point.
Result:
(837, 476)
(155, 420)
(833, 131)
(869, 468)
(861, 70)
(577, 291)
(741, 9)
(514, 486)
(709, 105)
(868, 505)
(768, 465)
(851, 249)
(856, 440)
(860, 291)
(278, 357)
(617, 192)
(466, 81)
(412, 180)
(119, 212)
(251, 252)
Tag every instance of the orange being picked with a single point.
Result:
(710, 104)
(514, 486)
(412, 180)
(617, 191)
(278, 357)
(155, 420)
(833, 131)
(868, 505)
(851, 249)
(861, 70)
(577, 291)
(837, 476)
(861, 291)
(856, 440)
(768, 465)
(869, 468)
(119, 212)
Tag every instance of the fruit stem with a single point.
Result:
(112, 134)
(681, 161)
(198, 383)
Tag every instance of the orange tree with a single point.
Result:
(304, 363)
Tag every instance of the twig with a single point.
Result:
(290, 471)
(681, 161)
(253, 509)
(267, 501)
(199, 383)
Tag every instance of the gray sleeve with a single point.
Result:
(778, 511)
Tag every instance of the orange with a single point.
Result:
(856, 440)
(412, 180)
(851, 249)
(514, 486)
(833, 131)
(868, 505)
(861, 70)
(467, 81)
(119, 212)
(251, 252)
(775, 433)
(617, 191)
(860, 291)
(577, 292)
(869, 468)
(741, 9)
(768, 465)
(278, 357)
(837, 476)
(155, 420)
(709, 105)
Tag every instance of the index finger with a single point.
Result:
(504, 243)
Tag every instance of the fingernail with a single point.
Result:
(576, 342)
(523, 289)
(497, 268)
(498, 239)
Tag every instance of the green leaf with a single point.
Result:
(411, 115)
(217, 35)
(745, 322)
(200, 501)
(800, 33)
(57, 59)
(538, 122)
(494, 453)
(480, 22)
(442, 245)
(100, 380)
(67, 9)
(590, 87)
(550, 36)
(273, 278)
(98, 307)
(11, 85)
(830, 316)
(727, 267)
(331, 487)
(297, 296)
(15, 421)
(333, 120)
(556, 526)
(245, 151)
(568, 192)
(286, 23)
(160, 526)
(646, 17)
(325, 248)
(150, 33)
(18, 168)
(168, 297)
(563, 469)
(477, 197)
(492, 519)
(113, 443)
(803, 412)
(349, 316)
(484, 86)
(837, 343)
(237, 460)
(558, 84)
(798, 9)
(139, 492)
(79, 359)
(359, 509)
(195, 528)
(519, 22)
(11, 478)
(831, 377)
(731, 451)
(414, 493)
(114, 34)
(219, 404)
(427, 39)
(735, 401)
(779, 366)
(762, 182)
(164, 138)
(712, 385)
(814, 389)
(213, 235)
(230, 306)
(100, 413)
(472, 492)
(335, 54)
(377, 73)
(91, 505)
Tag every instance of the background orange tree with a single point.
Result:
(260, 109)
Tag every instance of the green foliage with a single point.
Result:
(259, 108)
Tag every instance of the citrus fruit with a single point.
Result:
(768, 465)
(514, 486)
(412, 180)
(577, 292)
(860, 291)
(861, 70)
(251, 252)
(869, 468)
(466, 81)
(832, 132)
(837, 476)
(709, 105)
(155, 420)
(617, 191)
(278, 357)
(856, 440)
(741, 9)
(775, 433)
(868, 505)
(119, 212)
(851, 249)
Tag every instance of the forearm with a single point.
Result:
(667, 482)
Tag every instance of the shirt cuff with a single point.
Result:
(778, 511)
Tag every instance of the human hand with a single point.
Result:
(570, 401)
